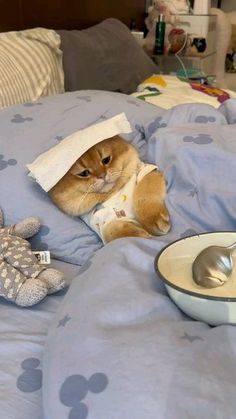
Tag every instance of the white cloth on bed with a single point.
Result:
(118, 206)
(51, 166)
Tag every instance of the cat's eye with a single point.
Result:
(85, 173)
(106, 160)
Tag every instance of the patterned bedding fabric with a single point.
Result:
(30, 66)
(116, 345)
(23, 334)
(167, 91)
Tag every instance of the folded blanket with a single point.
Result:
(169, 90)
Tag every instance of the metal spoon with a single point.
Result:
(213, 265)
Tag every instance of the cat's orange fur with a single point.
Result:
(111, 163)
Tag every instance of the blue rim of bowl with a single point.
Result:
(183, 290)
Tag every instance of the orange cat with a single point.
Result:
(114, 192)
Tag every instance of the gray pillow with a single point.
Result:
(105, 57)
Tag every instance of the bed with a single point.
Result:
(112, 344)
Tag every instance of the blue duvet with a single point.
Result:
(118, 347)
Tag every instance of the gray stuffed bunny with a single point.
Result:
(22, 279)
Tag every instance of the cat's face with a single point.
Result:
(103, 170)
(102, 166)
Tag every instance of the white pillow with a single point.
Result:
(30, 66)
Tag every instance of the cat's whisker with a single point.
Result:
(90, 189)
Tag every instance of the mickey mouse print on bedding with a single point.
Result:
(116, 320)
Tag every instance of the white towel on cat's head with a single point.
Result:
(48, 168)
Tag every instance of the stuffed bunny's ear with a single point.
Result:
(27, 227)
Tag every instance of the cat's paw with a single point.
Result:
(149, 204)
(117, 229)
(155, 219)
(158, 224)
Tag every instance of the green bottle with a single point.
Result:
(160, 36)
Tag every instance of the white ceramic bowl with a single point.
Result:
(214, 306)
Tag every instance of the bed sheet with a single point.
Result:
(23, 332)
(116, 345)
(26, 131)
(119, 347)
(31, 129)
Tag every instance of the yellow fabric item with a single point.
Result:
(154, 79)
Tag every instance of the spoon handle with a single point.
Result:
(232, 246)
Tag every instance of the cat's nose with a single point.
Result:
(102, 176)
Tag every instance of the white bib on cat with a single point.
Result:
(119, 206)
